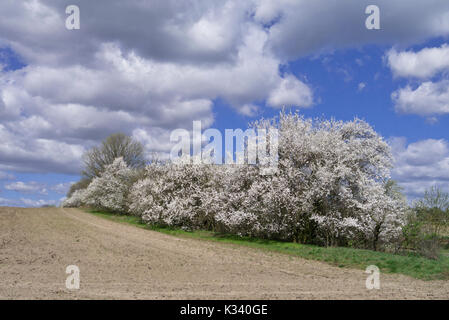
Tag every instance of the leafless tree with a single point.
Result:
(115, 146)
(82, 184)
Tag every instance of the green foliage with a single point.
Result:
(433, 211)
(412, 231)
(429, 246)
(427, 224)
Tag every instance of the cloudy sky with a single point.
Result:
(147, 67)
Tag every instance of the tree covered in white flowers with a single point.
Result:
(110, 190)
(384, 210)
(328, 189)
(331, 187)
(76, 199)
(181, 194)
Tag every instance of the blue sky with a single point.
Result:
(224, 63)
(336, 85)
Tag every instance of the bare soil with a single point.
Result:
(119, 261)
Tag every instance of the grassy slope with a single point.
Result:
(411, 265)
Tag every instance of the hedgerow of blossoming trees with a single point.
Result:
(331, 187)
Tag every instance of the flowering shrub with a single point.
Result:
(177, 194)
(330, 187)
(110, 190)
(75, 200)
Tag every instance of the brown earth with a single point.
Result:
(118, 261)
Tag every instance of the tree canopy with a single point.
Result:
(117, 145)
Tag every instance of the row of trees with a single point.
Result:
(331, 187)
(427, 227)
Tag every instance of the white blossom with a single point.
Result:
(329, 188)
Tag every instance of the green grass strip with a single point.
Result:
(412, 265)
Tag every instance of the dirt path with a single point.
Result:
(118, 261)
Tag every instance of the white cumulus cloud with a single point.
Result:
(291, 92)
(425, 63)
(27, 187)
(421, 165)
(429, 98)
(147, 67)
